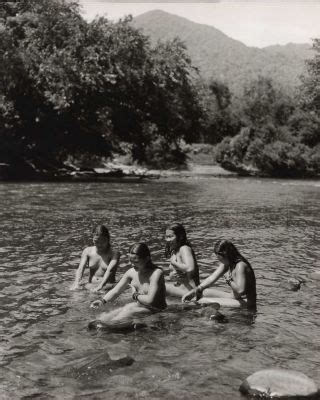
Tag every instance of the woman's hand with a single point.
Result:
(96, 304)
(134, 290)
(135, 296)
(189, 296)
(175, 267)
(135, 293)
(173, 260)
(228, 279)
(172, 274)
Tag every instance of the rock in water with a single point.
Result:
(293, 284)
(116, 326)
(316, 275)
(89, 370)
(280, 384)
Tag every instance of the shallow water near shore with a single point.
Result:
(180, 355)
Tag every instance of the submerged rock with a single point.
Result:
(91, 369)
(280, 384)
(118, 326)
(316, 275)
(292, 284)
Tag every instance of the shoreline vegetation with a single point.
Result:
(76, 94)
(198, 162)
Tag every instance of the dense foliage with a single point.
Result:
(279, 136)
(219, 117)
(266, 126)
(70, 87)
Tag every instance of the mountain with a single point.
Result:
(220, 57)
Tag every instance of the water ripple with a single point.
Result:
(274, 223)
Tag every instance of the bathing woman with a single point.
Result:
(239, 276)
(147, 283)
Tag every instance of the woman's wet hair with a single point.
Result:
(142, 251)
(227, 249)
(181, 235)
(102, 230)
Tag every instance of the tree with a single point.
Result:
(218, 117)
(164, 98)
(42, 84)
(311, 82)
(262, 102)
(69, 87)
(279, 138)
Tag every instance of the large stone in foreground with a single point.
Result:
(280, 383)
(316, 275)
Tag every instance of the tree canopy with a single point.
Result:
(73, 88)
(70, 87)
(278, 137)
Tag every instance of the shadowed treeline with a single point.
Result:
(71, 91)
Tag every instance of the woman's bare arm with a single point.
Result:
(111, 266)
(119, 288)
(188, 262)
(239, 284)
(220, 271)
(81, 268)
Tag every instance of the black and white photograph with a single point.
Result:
(159, 199)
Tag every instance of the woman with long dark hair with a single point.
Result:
(184, 271)
(238, 273)
(147, 283)
(101, 260)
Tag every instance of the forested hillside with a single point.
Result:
(220, 57)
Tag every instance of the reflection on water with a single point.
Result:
(177, 355)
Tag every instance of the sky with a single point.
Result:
(256, 23)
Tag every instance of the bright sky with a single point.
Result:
(256, 23)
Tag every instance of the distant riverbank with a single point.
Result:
(109, 172)
(200, 161)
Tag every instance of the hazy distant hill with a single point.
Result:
(217, 55)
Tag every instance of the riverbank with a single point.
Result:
(200, 161)
(112, 171)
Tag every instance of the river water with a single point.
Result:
(179, 355)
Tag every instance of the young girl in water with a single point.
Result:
(183, 263)
(147, 283)
(101, 260)
(240, 277)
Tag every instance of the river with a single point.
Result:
(182, 355)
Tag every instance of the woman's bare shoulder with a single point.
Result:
(157, 271)
(185, 249)
(242, 266)
(131, 273)
(89, 250)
